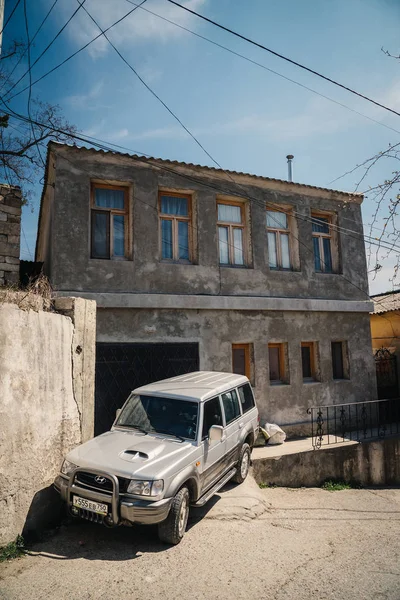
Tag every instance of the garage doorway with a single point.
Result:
(120, 368)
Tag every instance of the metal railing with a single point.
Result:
(357, 421)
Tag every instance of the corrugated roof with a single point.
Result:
(386, 302)
(152, 159)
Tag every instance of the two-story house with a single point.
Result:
(198, 268)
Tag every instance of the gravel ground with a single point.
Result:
(247, 543)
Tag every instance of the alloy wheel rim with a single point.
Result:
(183, 516)
(245, 465)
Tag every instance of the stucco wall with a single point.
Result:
(66, 250)
(217, 330)
(10, 233)
(40, 414)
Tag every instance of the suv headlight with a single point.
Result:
(67, 467)
(145, 488)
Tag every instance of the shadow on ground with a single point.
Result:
(77, 538)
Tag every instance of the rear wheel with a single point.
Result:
(172, 530)
(243, 465)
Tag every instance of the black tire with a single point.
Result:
(243, 464)
(172, 530)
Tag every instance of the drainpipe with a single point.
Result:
(290, 157)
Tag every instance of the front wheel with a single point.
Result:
(172, 530)
(243, 464)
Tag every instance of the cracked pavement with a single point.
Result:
(274, 543)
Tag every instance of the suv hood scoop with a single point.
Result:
(141, 452)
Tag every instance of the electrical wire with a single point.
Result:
(10, 16)
(287, 59)
(47, 47)
(77, 51)
(30, 43)
(254, 62)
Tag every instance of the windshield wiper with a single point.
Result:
(168, 433)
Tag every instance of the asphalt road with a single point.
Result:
(270, 544)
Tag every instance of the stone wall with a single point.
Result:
(47, 368)
(10, 231)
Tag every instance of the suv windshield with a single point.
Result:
(165, 415)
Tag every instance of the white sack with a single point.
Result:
(276, 434)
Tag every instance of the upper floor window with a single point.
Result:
(109, 221)
(278, 234)
(322, 242)
(175, 225)
(231, 233)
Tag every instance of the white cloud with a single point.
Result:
(138, 26)
(81, 101)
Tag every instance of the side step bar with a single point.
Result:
(201, 501)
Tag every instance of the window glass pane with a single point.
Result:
(183, 240)
(327, 255)
(223, 245)
(337, 360)
(273, 260)
(306, 361)
(239, 361)
(166, 238)
(229, 214)
(317, 257)
(231, 406)
(100, 243)
(106, 198)
(277, 219)
(246, 397)
(320, 225)
(274, 364)
(238, 247)
(171, 205)
(285, 251)
(212, 415)
(119, 237)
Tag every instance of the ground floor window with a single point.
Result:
(241, 359)
(340, 363)
(309, 361)
(278, 368)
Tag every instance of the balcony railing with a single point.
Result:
(357, 421)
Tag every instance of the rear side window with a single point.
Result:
(212, 415)
(246, 397)
(231, 405)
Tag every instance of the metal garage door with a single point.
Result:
(120, 368)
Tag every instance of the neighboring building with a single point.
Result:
(194, 267)
(385, 333)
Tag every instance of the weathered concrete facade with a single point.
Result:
(144, 299)
(43, 377)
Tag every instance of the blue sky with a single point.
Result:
(247, 118)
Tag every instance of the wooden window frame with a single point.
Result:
(247, 358)
(345, 360)
(231, 226)
(282, 363)
(321, 236)
(278, 231)
(110, 212)
(175, 219)
(312, 347)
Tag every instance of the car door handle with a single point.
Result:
(241, 425)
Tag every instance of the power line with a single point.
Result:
(47, 47)
(287, 59)
(31, 42)
(254, 62)
(10, 16)
(77, 52)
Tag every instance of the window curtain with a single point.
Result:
(166, 238)
(277, 219)
(171, 205)
(107, 198)
(320, 225)
(229, 214)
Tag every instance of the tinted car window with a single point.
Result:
(246, 397)
(212, 415)
(231, 405)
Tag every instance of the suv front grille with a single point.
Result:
(89, 480)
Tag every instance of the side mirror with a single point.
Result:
(117, 413)
(215, 433)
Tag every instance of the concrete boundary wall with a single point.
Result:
(367, 463)
(46, 407)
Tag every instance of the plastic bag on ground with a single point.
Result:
(275, 433)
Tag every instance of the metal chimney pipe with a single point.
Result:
(290, 157)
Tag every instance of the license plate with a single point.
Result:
(96, 507)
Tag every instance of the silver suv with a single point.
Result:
(174, 443)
